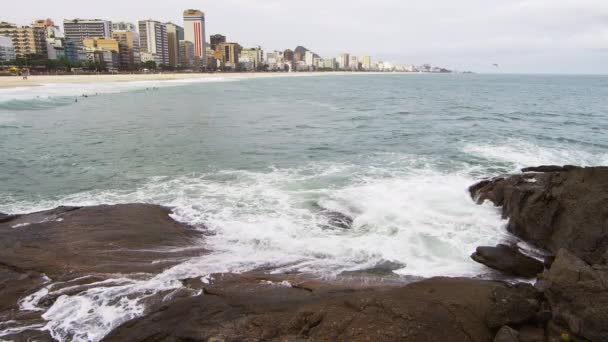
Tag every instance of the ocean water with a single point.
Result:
(257, 163)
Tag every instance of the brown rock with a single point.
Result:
(509, 260)
(531, 333)
(558, 209)
(550, 168)
(506, 334)
(245, 308)
(67, 243)
(578, 294)
(513, 305)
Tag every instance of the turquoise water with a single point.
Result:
(259, 161)
(52, 148)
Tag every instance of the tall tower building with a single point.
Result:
(77, 30)
(153, 42)
(194, 32)
(175, 33)
(129, 48)
(344, 60)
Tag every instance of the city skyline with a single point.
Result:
(519, 36)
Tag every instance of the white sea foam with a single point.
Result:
(421, 218)
(523, 154)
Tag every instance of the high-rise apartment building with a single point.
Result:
(215, 40)
(353, 64)
(106, 51)
(54, 38)
(366, 62)
(128, 42)
(194, 32)
(77, 30)
(186, 54)
(309, 58)
(230, 53)
(343, 62)
(124, 26)
(153, 41)
(175, 33)
(7, 49)
(26, 40)
(253, 55)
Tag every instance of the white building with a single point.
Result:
(77, 30)
(153, 40)
(329, 63)
(7, 50)
(124, 26)
(194, 32)
(252, 55)
(353, 64)
(366, 62)
(309, 58)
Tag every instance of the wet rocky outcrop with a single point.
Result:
(509, 260)
(563, 209)
(77, 246)
(578, 295)
(566, 207)
(247, 307)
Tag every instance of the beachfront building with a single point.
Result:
(366, 63)
(343, 61)
(215, 40)
(329, 64)
(153, 41)
(102, 50)
(255, 56)
(26, 40)
(211, 63)
(229, 54)
(309, 58)
(129, 52)
(186, 54)
(7, 49)
(124, 26)
(194, 32)
(77, 30)
(54, 38)
(353, 64)
(52, 30)
(175, 33)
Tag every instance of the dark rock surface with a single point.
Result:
(337, 220)
(558, 209)
(246, 308)
(509, 260)
(550, 168)
(513, 305)
(68, 243)
(506, 334)
(578, 294)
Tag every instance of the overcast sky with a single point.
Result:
(550, 36)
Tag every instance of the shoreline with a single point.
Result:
(11, 82)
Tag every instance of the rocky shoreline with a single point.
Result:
(562, 210)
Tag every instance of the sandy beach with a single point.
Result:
(39, 80)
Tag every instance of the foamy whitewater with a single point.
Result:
(256, 163)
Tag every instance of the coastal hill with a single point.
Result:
(561, 210)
